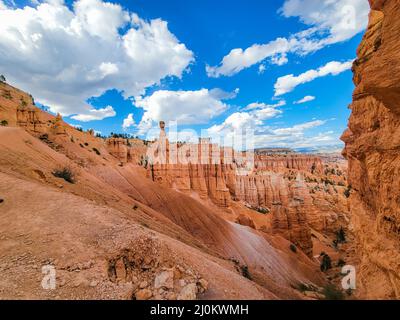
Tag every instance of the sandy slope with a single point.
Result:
(41, 225)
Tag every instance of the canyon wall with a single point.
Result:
(372, 149)
(291, 192)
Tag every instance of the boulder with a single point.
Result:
(188, 292)
(143, 294)
(165, 279)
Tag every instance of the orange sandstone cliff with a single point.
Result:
(286, 194)
(372, 149)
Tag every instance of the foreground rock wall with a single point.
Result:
(372, 148)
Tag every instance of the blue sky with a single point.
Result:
(158, 82)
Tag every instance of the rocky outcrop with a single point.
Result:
(117, 147)
(372, 148)
(18, 109)
(152, 274)
(282, 163)
(28, 118)
(273, 185)
(57, 126)
(245, 221)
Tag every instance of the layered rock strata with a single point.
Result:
(372, 149)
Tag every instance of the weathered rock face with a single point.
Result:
(57, 126)
(17, 108)
(291, 161)
(287, 189)
(245, 221)
(191, 168)
(28, 118)
(207, 181)
(286, 201)
(117, 147)
(372, 148)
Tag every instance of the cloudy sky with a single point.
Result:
(278, 67)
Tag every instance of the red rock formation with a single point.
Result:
(111, 204)
(372, 148)
(118, 149)
(245, 221)
(18, 109)
(288, 202)
(281, 163)
(275, 186)
(28, 118)
(57, 126)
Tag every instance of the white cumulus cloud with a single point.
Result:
(64, 56)
(305, 100)
(239, 59)
(185, 107)
(247, 120)
(95, 114)
(253, 125)
(129, 121)
(289, 82)
(257, 105)
(328, 22)
(341, 19)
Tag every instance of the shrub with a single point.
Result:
(2, 78)
(262, 210)
(86, 144)
(341, 235)
(96, 150)
(303, 287)
(326, 262)
(44, 137)
(245, 272)
(341, 263)
(293, 248)
(81, 145)
(135, 207)
(4, 123)
(347, 192)
(145, 224)
(65, 174)
(331, 293)
(7, 94)
(23, 103)
(32, 100)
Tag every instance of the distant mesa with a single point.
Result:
(273, 151)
